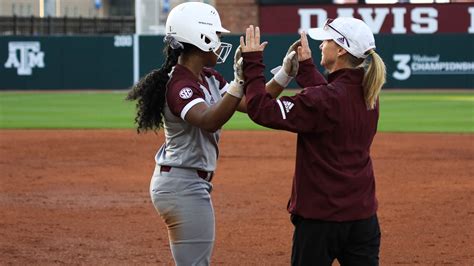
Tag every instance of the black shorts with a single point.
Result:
(317, 242)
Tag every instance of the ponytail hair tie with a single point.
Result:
(372, 52)
(173, 43)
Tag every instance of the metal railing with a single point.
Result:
(34, 26)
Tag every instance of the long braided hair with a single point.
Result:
(150, 91)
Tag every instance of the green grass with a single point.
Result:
(427, 112)
(65, 110)
(400, 111)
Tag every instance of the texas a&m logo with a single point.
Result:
(24, 56)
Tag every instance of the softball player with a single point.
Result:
(333, 204)
(191, 102)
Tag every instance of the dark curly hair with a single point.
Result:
(150, 92)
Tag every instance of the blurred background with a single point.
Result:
(110, 44)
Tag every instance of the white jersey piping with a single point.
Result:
(189, 106)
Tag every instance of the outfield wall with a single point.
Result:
(108, 62)
(54, 63)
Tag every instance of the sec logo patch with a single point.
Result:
(185, 93)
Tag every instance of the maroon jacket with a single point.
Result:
(334, 178)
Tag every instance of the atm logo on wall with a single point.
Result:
(24, 56)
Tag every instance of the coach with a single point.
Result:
(333, 204)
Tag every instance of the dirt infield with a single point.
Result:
(81, 197)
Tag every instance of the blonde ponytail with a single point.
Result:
(374, 79)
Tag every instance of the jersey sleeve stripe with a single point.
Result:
(224, 89)
(282, 109)
(189, 106)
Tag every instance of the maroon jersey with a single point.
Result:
(334, 178)
(187, 146)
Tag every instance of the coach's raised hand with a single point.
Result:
(251, 43)
(301, 47)
(304, 52)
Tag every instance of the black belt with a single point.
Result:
(202, 174)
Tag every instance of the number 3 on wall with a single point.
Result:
(403, 69)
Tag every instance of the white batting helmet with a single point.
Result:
(198, 24)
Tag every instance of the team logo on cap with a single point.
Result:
(343, 40)
(185, 93)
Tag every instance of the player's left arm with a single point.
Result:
(272, 87)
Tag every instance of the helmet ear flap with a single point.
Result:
(207, 41)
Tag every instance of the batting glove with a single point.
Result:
(284, 75)
(236, 87)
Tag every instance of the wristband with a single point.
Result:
(281, 77)
(236, 88)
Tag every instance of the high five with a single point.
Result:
(333, 204)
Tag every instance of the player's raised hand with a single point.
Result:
(304, 52)
(251, 43)
(290, 62)
(238, 65)
(294, 46)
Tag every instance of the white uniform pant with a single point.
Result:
(183, 201)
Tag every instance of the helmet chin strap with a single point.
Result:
(222, 52)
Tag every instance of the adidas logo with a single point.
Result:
(342, 40)
(288, 106)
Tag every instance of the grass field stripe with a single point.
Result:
(400, 111)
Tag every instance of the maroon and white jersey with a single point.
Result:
(187, 146)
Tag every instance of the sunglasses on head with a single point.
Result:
(342, 40)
